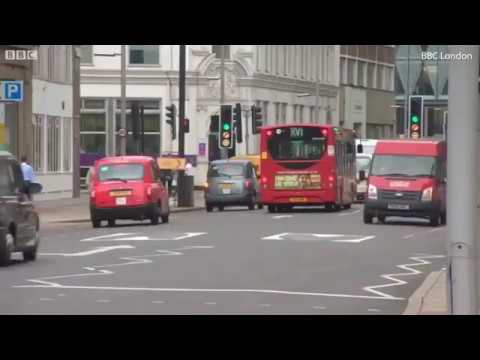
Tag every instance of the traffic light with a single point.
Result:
(226, 127)
(415, 117)
(237, 118)
(172, 119)
(186, 126)
(257, 121)
(135, 117)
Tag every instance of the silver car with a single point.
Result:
(230, 183)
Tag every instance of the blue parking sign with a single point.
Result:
(11, 90)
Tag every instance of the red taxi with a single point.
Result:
(408, 179)
(127, 187)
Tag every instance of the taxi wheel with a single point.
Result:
(31, 253)
(6, 248)
(96, 223)
(434, 220)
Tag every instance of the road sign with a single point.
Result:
(11, 91)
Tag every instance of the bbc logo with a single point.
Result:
(21, 54)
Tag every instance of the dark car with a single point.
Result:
(19, 222)
(231, 182)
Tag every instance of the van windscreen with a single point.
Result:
(403, 165)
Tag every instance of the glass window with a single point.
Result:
(402, 165)
(226, 170)
(120, 172)
(93, 103)
(297, 143)
(361, 74)
(217, 50)
(38, 142)
(144, 54)
(92, 144)
(67, 144)
(86, 54)
(371, 75)
(380, 76)
(92, 122)
(350, 69)
(7, 179)
(53, 143)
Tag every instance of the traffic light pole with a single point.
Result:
(223, 151)
(463, 107)
(181, 133)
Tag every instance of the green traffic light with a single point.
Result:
(415, 119)
(226, 127)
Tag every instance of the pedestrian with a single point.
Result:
(28, 176)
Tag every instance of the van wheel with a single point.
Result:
(111, 222)
(434, 220)
(272, 209)
(96, 223)
(6, 248)
(165, 219)
(367, 217)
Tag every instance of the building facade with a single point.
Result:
(367, 80)
(40, 126)
(415, 75)
(281, 79)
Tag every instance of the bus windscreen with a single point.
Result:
(297, 143)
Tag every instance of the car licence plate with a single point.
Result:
(226, 191)
(121, 201)
(298, 199)
(398, 207)
(120, 193)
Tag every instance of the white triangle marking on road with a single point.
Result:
(90, 252)
(107, 236)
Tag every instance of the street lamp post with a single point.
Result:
(123, 116)
(123, 100)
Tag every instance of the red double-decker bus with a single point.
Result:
(307, 165)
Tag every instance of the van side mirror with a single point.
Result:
(359, 149)
(362, 175)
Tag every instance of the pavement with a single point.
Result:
(77, 209)
(227, 262)
(431, 297)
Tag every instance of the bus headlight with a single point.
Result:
(372, 192)
(427, 194)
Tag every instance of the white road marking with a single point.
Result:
(330, 237)
(210, 303)
(435, 230)
(254, 291)
(107, 236)
(409, 236)
(158, 302)
(319, 307)
(126, 237)
(265, 305)
(46, 299)
(420, 260)
(91, 252)
(281, 217)
(374, 310)
(61, 295)
(349, 213)
(103, 301)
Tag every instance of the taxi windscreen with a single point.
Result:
(121, 172)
